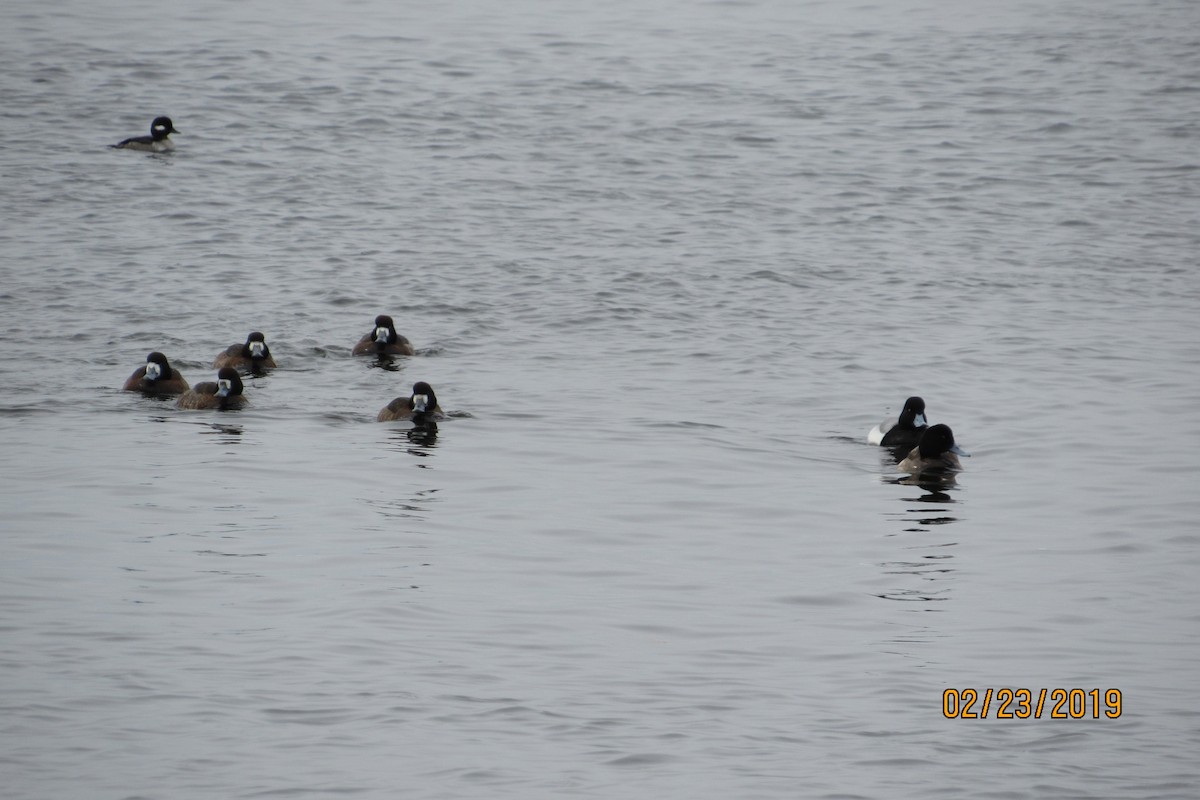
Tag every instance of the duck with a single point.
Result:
(156, 142)
(156, 378)
(383, 340)
(935, 452)
(904, 433)
(253, 356)
(224, 394)
(421, 406)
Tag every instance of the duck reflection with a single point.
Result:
(423, 434)
(416, 506)
(384, 361)
(937, 484)
(225, 433)
(919, 569)
(420, 440)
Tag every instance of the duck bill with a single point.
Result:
(420, 403)
(153, 371)
(959, 451)
(224, 388)
(919, 421)
(382, 335)
(256, 349)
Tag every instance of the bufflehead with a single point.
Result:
(156, 142)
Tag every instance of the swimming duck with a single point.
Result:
(421, 406)
(383, 340)
(904, 433)
(936, 452)
(156, 142)
(225, 394)
(156, 377)
(253, 356)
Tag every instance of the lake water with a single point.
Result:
(665, 267)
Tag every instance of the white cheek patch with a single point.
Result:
(153, 371)
(420, 402)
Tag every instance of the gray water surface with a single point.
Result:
(665, 268)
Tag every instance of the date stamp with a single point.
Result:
(1028, 703)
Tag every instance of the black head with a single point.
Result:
(936, 440)
(423, 399)
(913, 415)
(229, 382)
(256, 346)
(157, 367)
(161, 127)
(385, 330)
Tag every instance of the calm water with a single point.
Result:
(665, 267)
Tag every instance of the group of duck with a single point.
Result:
(916, 445)
(157, 378)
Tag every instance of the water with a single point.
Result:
(665, 267)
